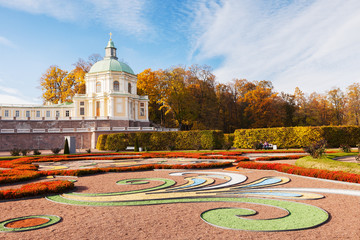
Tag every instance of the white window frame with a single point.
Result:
(6, 113)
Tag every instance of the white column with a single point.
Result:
(102, 108)
(111, 107)
(91, 107)
(136, 117)
(127, 108)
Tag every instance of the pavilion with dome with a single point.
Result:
(110, 105)
(111, 93)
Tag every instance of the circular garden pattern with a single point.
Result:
(28, 223)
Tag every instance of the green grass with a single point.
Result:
(327, 163)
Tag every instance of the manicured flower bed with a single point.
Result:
(291, 169)
(34, 189)
(23, 169)
(272, 158)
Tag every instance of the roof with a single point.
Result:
(110, 44)
(111, 65)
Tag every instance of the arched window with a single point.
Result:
(98, 87)
(129, 87)
(116, 86)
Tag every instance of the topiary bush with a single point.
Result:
(24, 152)
(15, 152)
(36, 152)
(66, 147)
(55, 150)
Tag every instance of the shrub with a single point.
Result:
(66, 147)
(88, 150)
(56, 150)
(24, 152)
(15, 152)
(345, 148)
(116, 142)
(36, 152)
(317, 149)
(101, 142)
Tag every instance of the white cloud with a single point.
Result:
(6, 42)
(8, 90)
(314, 45)
(121, 15)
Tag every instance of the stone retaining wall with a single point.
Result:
(29, 134)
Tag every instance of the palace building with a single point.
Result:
(110, 104)
(110, 94)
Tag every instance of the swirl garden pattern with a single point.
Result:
(204, 188)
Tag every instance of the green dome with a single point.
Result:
(111, 65)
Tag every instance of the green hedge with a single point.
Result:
(229, 138)
(182, 140)
(298, 137)
(101, 142)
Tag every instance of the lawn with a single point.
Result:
(328, 163)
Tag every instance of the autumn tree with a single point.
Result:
(150, 83)
(263, 106)
(337, 100)
(200, 83)
(60, 86)
(53, 84)
(175, 98)
(353, 109)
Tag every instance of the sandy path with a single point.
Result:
(176, 221)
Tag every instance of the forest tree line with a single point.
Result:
(191, 99)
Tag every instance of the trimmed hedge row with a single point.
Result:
(183, 140)
(298, 137)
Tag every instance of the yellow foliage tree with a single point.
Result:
(61, 86)
(53, 84)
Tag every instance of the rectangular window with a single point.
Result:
(37, 114)
(6, 113)
(67, 113)
(57, 114)
(48, 113)
(142, 109)
(82, 111)
(17, 113)
(27, 114)
(82, 103)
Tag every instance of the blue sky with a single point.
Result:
(314, 44)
